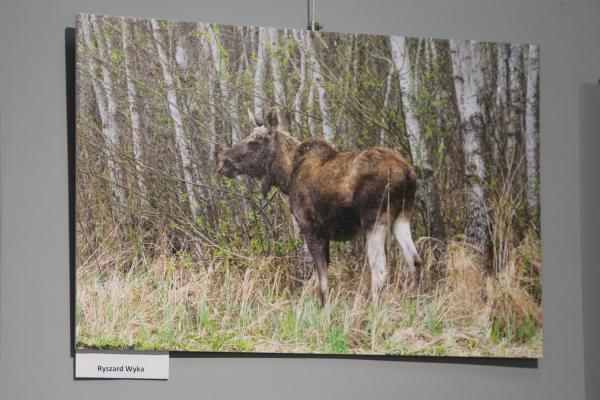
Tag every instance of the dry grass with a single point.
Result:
(173, 303)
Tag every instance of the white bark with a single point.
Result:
(418, 146)
(468, 78)
(112, 128)
(278, 87)
(229, 106)
(92, 66)
(501, 93)
(531, 129)
(133, 112)
(298, 37)
(386, 103)
(181, 56)
(306, 61)
(106, 104)
(212, 92)
(408, 90)
(516, 100)
(182, 73)
(318, 82)
(244, 39)
(212, 122)
(310, 106)
(260, 73)
(180, 138)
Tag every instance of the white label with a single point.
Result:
(126, 365)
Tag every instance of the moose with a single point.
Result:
(333, 194)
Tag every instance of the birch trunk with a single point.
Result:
(310, 106)
(181, 55)
(229, 106)
(408, 92)
(260, 73)
(386, 103)
(278, 86)
(133, 112)
(468, 77)
(531, 130)
(318, 83)
(180, 138)
(244, 41)
(298, 98)
(112, 129)
(182, 72)
(212, 122)
(106, 106)
(501, 98)
(212, 92)
(418, 145)
(516, 100)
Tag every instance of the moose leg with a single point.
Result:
(376, 255)
(319, 249)
(402, 233)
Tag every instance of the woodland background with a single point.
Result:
(173, 256)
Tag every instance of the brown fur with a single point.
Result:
(333, 195)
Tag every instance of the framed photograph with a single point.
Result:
(262, 190)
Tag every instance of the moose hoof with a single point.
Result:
(323, 300)
(414, 277)
(415, 273)
(418, 262)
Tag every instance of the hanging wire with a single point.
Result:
(313, 24)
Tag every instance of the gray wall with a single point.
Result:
(590, 220)
(34, 299)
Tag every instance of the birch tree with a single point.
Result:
(516, 99)
(310, 106)
(302, 73)
(532, 129)
(386, 103)
(206, 54)
(418, 146)
(106, 105)
(133, 111)
(178, 88)
(305, 67)
(278, 84)
(318, 84)
(229, 106)
(260, 72)
(408, 91)
(500, 109)
(468, 78)
(181, 74)
(175, 113)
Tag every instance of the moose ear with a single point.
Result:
(254, 119)
(271, 118)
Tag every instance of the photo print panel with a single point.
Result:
(263, 190)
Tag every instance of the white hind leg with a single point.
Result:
(402, 233)
(376, 255)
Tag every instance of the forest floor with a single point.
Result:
(170, 302)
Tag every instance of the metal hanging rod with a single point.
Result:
(313, 24)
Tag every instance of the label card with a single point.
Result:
(121, 365)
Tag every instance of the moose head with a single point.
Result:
(264, 154)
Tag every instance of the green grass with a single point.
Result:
(171, 303)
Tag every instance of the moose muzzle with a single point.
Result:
(225, 166)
